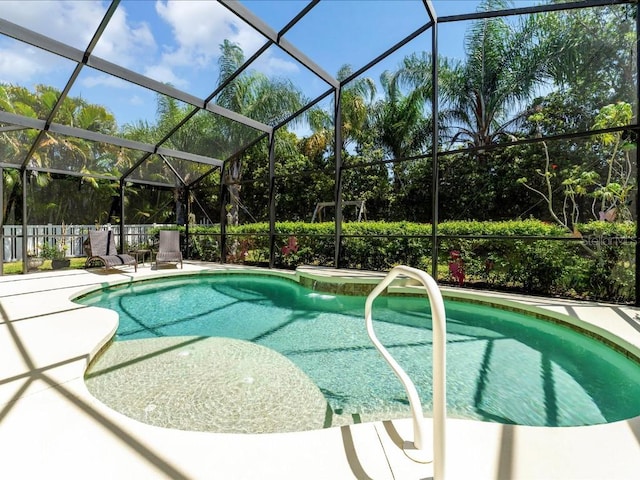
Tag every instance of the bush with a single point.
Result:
(51, 252)
(537, 258)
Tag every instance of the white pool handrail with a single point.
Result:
(421, 452)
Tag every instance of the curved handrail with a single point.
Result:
(439, 364)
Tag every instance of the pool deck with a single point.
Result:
(52, 427)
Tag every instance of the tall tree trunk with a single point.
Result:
(235, 175)
(13, 203)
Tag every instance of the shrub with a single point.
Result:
(526, 260)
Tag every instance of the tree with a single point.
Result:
(504, 64)
(268, 100)
(593, 68)
(54, 151)
(594, 59)
(402, 126)
(615, 193)
(612, 194)
(356, 98)
(398, 119)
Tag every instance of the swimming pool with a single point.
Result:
(501, 366)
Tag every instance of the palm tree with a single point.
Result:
(356, 100)
(13, 144)
(504, 65)
(399, 120)
(595, 50)
(54, 151)
(254, 95)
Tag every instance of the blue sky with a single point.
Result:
(177, 42)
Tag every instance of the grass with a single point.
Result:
(16, 267)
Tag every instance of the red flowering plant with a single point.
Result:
(290, 252)
(456, 266)
(239, 251)
(291, 247)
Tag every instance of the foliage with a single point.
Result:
(577, 181)
(268, 100)
(398, 121)
(52, 252)
(533, 257)
(504, 64)
(205, 243)
(614, 193)
(594, 51)
(54, 151)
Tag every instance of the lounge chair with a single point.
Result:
(102, 247)
(169, 248)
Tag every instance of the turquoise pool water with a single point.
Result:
(501, 366)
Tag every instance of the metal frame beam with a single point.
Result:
(298, 17)
(37, 124)
(10, 128)
(272, 200)
(1, 221)
(495, 146)
(173, 170)
(121, 191)
(25, 260)
(45, 43)
(391, 50)
(69, 173)
(224, 200)
(308, 106)
(275, 37)
(435, 181)
(428, 5)
(150, 183)
(555, 7)
(337, 119)
(637, 115)
(74, 76)
(202, 177)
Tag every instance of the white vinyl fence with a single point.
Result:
(73, 235)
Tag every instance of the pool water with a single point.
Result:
(502, 366)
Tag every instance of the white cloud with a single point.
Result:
(165, 74)
(136, 101)
(74, 23)
(189, 34)
(270, 65)
(65, 21)
(104, 81)
(70, 22)
(20, 63)
(124, 43)
(199, 28)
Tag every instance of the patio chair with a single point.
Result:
(169, 248)
(102, 247)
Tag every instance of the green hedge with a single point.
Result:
(598, 266)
